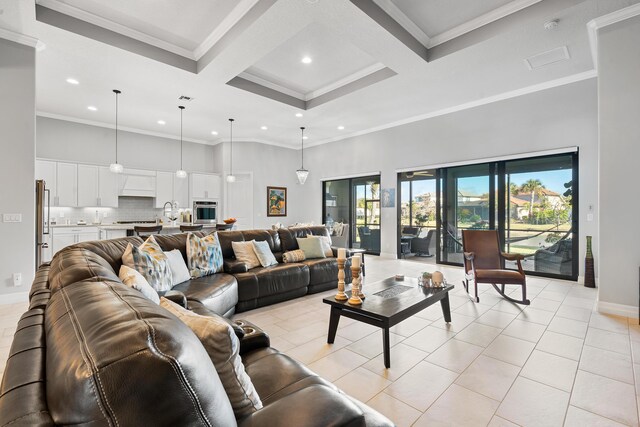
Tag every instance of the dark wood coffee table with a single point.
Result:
(388, 303)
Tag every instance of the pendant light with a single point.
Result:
(302, 172)
(116, 167)
(181, 173)
(231, 177)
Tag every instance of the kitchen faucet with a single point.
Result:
(169, 212)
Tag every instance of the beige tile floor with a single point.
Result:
(554, 363)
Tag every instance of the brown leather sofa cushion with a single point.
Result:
(110, 250)
(322, 270)
(74, 264)
(115, 358)
(288, 236)
(218, 292)
(225, 238)
(276, 279)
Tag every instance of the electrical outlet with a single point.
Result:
(61, 214)
(589, 217)
(17, 279)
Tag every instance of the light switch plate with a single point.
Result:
(12, 217)
(589, 217)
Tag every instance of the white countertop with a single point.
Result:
(127, 226)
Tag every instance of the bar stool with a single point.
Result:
(146, 230)
(193, 227)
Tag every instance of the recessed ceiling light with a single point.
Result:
(72, 81)
(161, 122)
(340, 127)
(264, 128)
(213, 132)
(306, 60)
(92, 108)
(298, 114)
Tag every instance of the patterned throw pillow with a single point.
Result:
(293, 256)
(223, 347)
(204, 255)
(151, 262)
(135, 280)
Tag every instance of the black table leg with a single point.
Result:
(387, 350)
(333, 325)
(446, 310)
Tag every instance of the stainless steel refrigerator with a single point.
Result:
(43, 208)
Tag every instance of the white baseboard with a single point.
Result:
(14, 297)
(617, 309)
(388, 255)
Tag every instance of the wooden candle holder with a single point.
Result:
(355, 287)
(341, 296)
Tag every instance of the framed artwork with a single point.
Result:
(276, 201)
(388, 197)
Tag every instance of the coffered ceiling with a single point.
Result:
(374, 63)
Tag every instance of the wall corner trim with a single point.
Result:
(617, 309)
(605, 20)
(18, 38)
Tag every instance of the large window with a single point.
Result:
(532, 203)
(355, 201)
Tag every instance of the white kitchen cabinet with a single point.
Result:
(66, 185)
(46, 170)
(62, 237)
(107, 187)
(170, 188)
(87, 186)
(106, 233)
(205, 186)
(164, 188)
(97, 187)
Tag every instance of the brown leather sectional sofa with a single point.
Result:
(90, 350)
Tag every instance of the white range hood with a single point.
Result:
(137, 183)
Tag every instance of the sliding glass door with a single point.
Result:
(356, 202)
(531, 202)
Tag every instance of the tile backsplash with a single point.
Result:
(129, 208)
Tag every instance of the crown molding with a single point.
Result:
(401, 18)
(20, 38)
(481, 21)
(483, 101)
(345, 81)
(253, 77)
(82, 15)
(225, 26)
(605, 20)
(123, 128)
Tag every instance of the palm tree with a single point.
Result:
(533, 186)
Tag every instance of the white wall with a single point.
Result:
(271, 166)
(619, 109)
(17, 124)
(76, 142)
(561, 117)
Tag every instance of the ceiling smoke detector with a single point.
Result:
(185, 98)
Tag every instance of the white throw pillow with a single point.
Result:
(264, 254)
(325, 241)
(135, 280)
(178, 267)
(312, 248)
(244, 253)
(337, 228)
(222, 345)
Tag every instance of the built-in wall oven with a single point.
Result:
(205, 212)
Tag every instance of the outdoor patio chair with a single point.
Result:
(484, 263)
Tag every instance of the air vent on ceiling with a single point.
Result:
(185, 98)
(549, 57)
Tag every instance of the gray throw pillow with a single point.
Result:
(312, 248)
(223, 347)
(264, 254)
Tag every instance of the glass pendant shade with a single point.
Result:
(302, 175)
(181, 173)
(231, 177)
(116, 167)
(302, 172)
